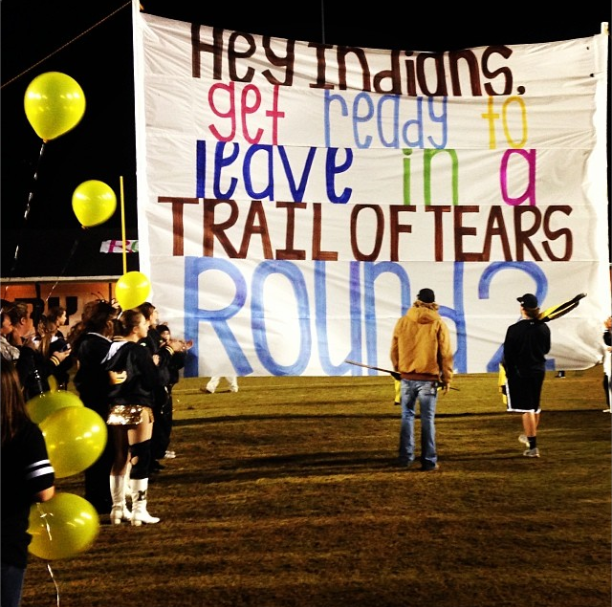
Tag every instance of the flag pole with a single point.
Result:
(123, 240)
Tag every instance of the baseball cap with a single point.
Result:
(528, 301)
(426, 296)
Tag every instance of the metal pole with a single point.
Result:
(323, 21)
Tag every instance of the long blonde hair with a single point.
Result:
(47, 329)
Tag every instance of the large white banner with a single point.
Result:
(294, 197)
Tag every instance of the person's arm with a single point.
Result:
(45, 495)
(394, 354)
(150, 376)
(445, 352)
(41, 476)
(178, 360)
(547, 341)
(508, 356)
(9, 352)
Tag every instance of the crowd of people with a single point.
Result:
(124, 368)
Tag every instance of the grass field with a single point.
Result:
(284, 495)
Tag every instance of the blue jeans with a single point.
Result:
(12, 585)
(426, 393)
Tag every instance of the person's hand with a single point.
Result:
(445, 388)
(178, 345)
(62, 354)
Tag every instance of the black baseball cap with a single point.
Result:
(426, 296)
(529, 300)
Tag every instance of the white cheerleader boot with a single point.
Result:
(119, 511)
(140, 516)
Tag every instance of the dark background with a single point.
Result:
(92, 42)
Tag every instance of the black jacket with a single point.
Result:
(34, 371)
(525, 347)
(91, 379)
(143, 380)
(26, 470)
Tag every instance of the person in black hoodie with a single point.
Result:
(170, 376)
(133, 402)
(165, 358)
(91, 339)
(525, 347)
(153, 341)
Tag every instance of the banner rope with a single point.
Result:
(89, 29)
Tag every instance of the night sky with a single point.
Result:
(92, 42)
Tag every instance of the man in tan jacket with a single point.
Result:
(421, 353)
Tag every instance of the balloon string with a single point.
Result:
(75, 245)
(43, 518)
(28, 208)
(123, 225)
(57, 593)
(35, 180)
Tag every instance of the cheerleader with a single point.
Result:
(135, 380)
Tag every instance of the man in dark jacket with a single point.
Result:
(525, 347)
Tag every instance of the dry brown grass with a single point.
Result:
(283, 495)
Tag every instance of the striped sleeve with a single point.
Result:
(39, 468)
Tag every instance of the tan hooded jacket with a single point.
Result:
(421, 347)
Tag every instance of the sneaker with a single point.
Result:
(206, 391)
(523, 439)
(169, 455)
(532, 452)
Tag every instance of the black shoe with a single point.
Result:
(431, 468)
(403, 463)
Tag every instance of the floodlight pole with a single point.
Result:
(323, 21)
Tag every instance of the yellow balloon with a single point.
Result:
(63, 527)
(132, 289)
(54, 104)
(75, 438)
(93, 202)
(41, 406)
